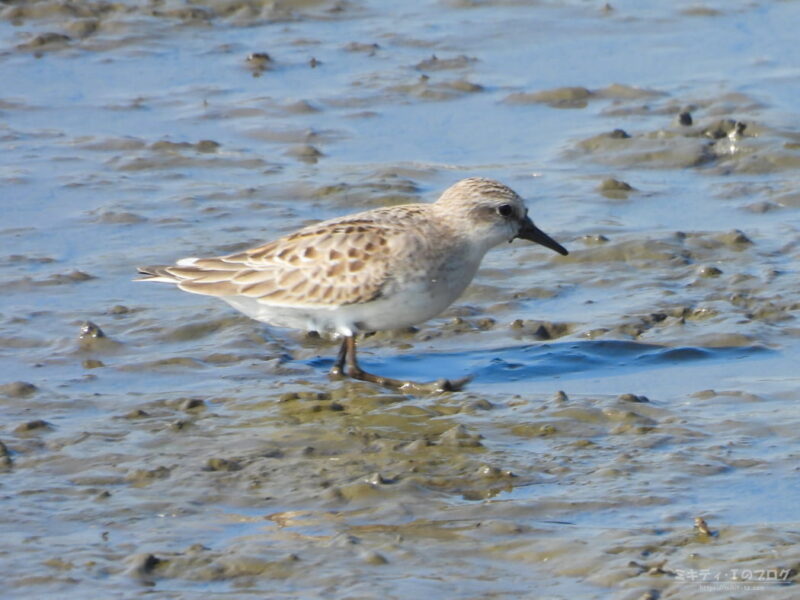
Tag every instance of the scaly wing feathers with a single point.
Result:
(338, 262)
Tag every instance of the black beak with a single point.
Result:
(529, 231)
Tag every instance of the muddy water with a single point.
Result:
(173, 447)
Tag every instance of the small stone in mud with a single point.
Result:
(701, 526)
(5, 458)
(619, 134)
(378, 479)
(374, 558)
(480, 404)
(547, 429)
(615, 185)
(90, 330)
(207, 146)
(34, 425)
(142, 476)
(119, 309)
(709, 271)
(459, 436)
(301, 107)
(71, 277)
(658, 569)
(563, 97)
(724, 128)
(119, 218)
(222, 358)
(169, 146)
(560, 396)
(47, 39)
(91, 363)
(435, 63)
(684, 118)
(761, 207)
(24, 258)
(416, 446)
(137, 414)
(491, 472)
(18, 389)
(81, 28)
(735, 238)
(485, 323)
(221, 464)
(594, 239)
(583, 444)
(259, 60)
(272, 453)
(541, 330)
(334, 494)
(313, 396)
(633, 398)
(59, 564)
(595, 333)
(179, 425)
(461, 85)
(188, 404)
(333, 406)
(142, 564)
(305, 153)
(361, 47)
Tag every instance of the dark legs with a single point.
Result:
(337, 370)
(347, 352)
(356, 372)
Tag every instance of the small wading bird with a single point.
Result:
(385, 268)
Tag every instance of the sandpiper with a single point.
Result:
(385, 268)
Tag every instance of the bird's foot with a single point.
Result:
(438, 386)
(449, 385)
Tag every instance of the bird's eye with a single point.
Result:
(505, 210)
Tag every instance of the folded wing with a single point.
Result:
(327, 265)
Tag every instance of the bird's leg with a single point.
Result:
(356, 372)
(337, 370)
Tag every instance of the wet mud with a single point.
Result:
(630, 430)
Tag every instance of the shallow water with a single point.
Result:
(646, 379)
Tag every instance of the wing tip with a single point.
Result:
(156, 273)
